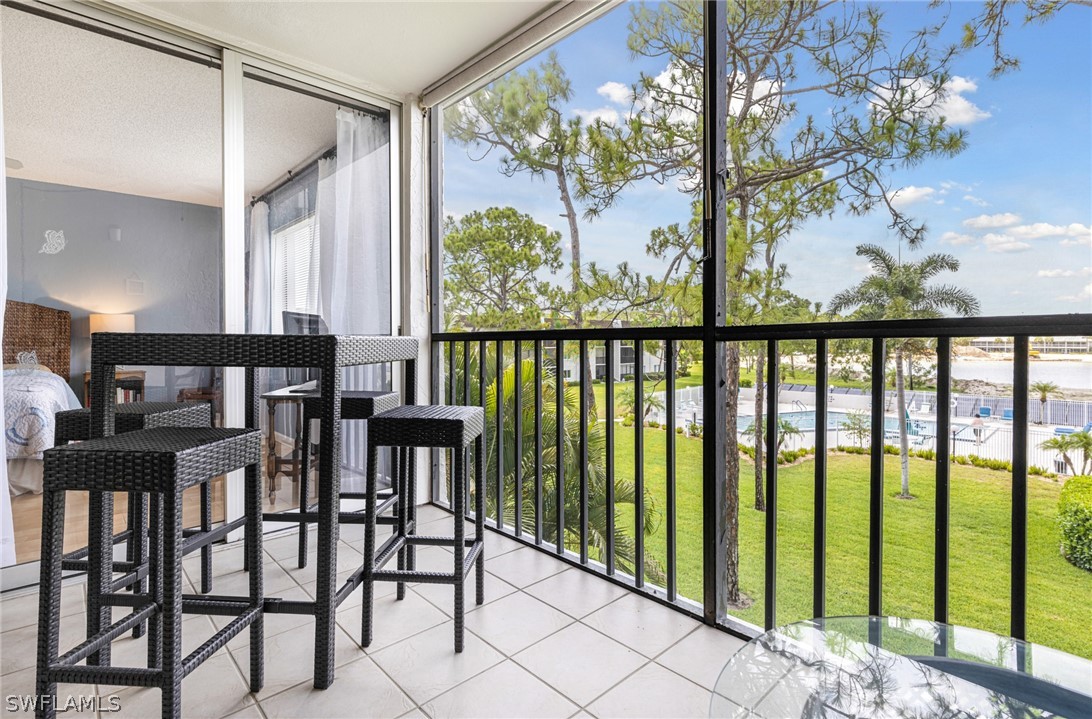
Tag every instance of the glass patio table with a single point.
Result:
(892, 667)
(330, 354)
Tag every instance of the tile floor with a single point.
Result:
(551, 641)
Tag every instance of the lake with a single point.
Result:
(1072, 375)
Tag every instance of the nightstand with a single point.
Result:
(130, 386)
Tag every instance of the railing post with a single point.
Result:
(559, 479)
(943, 479)
(609, 415)
(639, 463)
(1018, 623)
(672, 528)
(538, 442)
(875, 503)
(584, 452)
(773, 383)
(714, 224)
(517, 427)
(499, 383)
(819, 561)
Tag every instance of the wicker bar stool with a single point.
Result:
(441, 427)
(160, 463)
(74, 425)
(355, 404)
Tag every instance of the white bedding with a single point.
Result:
(31, 398)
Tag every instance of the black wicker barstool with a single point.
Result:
(355, 404)
(74, 425)
(160, 463)
(441, 427)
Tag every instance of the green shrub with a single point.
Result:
(654, 376)
(746, 382)
(1075, 521)
(695, 429)
(654, 424)
(627, 377)
(678, 430)
(627, 421)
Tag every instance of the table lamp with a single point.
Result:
(113, 323)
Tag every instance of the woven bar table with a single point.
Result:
(327, 353)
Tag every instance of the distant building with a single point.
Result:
(1044, 345)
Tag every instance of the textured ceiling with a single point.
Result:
(85, 110)
(396, 47)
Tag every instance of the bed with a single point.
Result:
(35, 387)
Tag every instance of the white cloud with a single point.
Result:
(976, 200)
(923, 98)
(911, 194)
(616, 92)
(947, 185)
(1083, 272)
(607, 114)
(956, 109)
(939, 202)
(1004, 243)
(1045, 229)
(1087, 240)
(1084, 295)
(990, 222)
(955, 238)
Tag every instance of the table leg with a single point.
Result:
(329, 478)
(271, 451)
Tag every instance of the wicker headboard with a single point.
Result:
(42, 329)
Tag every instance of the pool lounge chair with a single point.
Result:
(985, 412)
(1006, 415)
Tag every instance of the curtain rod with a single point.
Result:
(292, 174)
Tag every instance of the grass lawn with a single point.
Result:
(1059, 610)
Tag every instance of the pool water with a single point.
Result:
(837, 420)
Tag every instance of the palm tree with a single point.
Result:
(624, 492)
(901, 290)
(1044, 390)
(1065, 444)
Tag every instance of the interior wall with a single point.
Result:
(157, 259)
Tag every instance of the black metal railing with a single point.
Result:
(562, 496)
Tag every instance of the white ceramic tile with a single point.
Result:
(524, 566)
(359, 689)
(442, 595)
(653, 692)
(20, 608)
(274, 580)
(575, 592)
(641, 624)
(19, 687)
(426, 664)
(20, 646)
(701, 655)
(214, 689)
(580, 662)
(506, 690)
(516, 622)
(392, 620)
(290, 658)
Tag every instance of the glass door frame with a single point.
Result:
(232, 64)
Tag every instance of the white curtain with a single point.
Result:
(353, 208)
(263, 318)
(355, 228)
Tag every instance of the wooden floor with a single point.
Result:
(26, 510)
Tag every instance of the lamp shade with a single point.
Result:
(113, 323)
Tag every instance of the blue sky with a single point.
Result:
(1015, 207)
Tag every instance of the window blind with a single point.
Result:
(296, 248)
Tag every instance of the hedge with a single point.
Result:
(1075, 521)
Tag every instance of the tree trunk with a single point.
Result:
(731, 474)
(576, 280)
(904, 438)
(760, 367)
